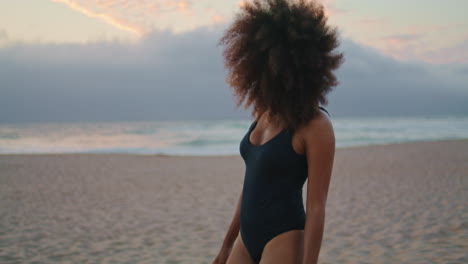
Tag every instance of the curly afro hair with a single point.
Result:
(279, 54)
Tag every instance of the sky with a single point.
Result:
(137, 59)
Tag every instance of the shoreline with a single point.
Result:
(227, 155)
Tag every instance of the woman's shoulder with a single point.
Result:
(321, 121)
(318, 130)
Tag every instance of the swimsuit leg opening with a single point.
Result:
(275, 234)
(249, 249)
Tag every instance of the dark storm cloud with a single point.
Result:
(374, 85)
(171, 76)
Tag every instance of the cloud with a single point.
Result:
(455, 53)
(373, 84)
(402, 38)
(108, 18)
(136, 17)
(183, 5)
(242, 3)
(3, 35)
(218, 19)
(181, 76)
(415, 47)
(331, 9)
(402, 46)
(373, 21)
(416, 43)
(432, 28)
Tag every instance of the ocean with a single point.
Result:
(209, 137)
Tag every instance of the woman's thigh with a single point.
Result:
(286, 248)
(239, 254)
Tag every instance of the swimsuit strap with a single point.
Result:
(252, 126)
(324, 110)
(321, 107)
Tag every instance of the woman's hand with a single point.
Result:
(222, 256)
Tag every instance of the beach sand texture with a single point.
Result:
(397, 203)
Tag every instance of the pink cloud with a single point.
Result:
(134, 16)
(402, 38)
(428, 28)
(403, 46)
(183, 5)
(118, 22)
(414, 46)
(218, 19)
(373, 21)
(331, 9)
(455, 53)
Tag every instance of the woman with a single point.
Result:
(280, 58)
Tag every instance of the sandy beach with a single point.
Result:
(397, 203)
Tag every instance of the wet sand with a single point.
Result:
(397, 203)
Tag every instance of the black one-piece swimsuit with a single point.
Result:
(272, 192)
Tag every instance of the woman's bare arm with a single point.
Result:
(234, 227)
(320, 144)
